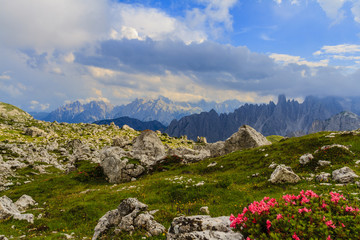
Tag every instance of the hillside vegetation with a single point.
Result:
(72, 203)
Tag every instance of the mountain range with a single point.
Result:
(286, 118)
(133, 123)
(161, 109)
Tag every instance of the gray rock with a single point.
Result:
(34, 132)
(324, 163)
(202, 227)
(121, 141)
(245, 137)
(284, 174)
(323, 177)
(2, 237)
(205, 210)
(273, 165)
(9, 209)
(306, 158)
(129, 216)
(190, 155)
(201, 140)
(24, 202)
(344, 175)
(127, 127)
(116, 166)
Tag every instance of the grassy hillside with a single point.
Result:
(73, 203)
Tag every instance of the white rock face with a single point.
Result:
(324, 163)
(24, 202)
(129, 216)
(344, 175)
(202, 227)
(306, 158)
(10, 209)
(284, 174)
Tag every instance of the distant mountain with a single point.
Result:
(162, 109)
(134, 123)
(286, 118)
(344, 121)
(77, 112)
(39, 115)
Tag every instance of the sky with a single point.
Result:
(58, 51)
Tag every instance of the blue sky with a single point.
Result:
(54, 52)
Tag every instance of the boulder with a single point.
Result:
(284, 174)
(2, 237)
(202, 227)
(306, 158)
(323, 177)
(24, 202)
(148, 147)
(127, 127)
(130, 215)
(245, 137)
(34, 132)
(201, 140)
(190, 155)
(116, 166)
(121, 141)
(10, 209)
(323, 163)
(344, 175)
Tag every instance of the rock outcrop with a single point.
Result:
(306, 158)
(344, 175)
(130, 215)
(284, 174)
(344, 121)
(10, 209)
(202, 227)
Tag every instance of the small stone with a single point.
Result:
(205, 210)
(306, 158)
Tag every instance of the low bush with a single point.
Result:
(305, 216)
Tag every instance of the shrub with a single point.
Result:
(305, 216)
(88, 171)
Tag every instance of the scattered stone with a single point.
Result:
(201, 140)
(273, 165)
(284, 174)
(344, 175)
(202, 227)
(34, 132)
(323, 163)
(127, 127)
(121, 142)
(323, 177)
(325, 184)
(306, 158)
(129, 216)
(2, 237)
(255, 175)
(213, 164)
(205, 210)
(357, 184)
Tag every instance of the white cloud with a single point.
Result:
(350, 58)
(287, 59)
(138, 22)
(339, 49)
(356, 11)
(332, 8)
(98, 72)
(60, 24)
(5, 76)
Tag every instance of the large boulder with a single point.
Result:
(344, 175)
(190, 155)
(130, 215)
(245, 137)
(116, 166)
(148, 148)
(284, 174)
(34, 132)
(10, 209)
(202, 227)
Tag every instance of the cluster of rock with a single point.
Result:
(10, 209)
(202, 227)
(148, 150)
(131, 215)
(284, 174)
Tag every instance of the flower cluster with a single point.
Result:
(302, 216)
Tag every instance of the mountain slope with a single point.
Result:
(145, 109)
(77, 112)
(133, 123)
(284, 118)
(344, 121)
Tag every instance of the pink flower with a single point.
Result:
(328, 238)
(295, 237)
(248, 238)
(330, 224)
(304, 210)
(268, 224)
(343, 225)
(324, 205)
(279, 216)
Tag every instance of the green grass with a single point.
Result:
(75, 202)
